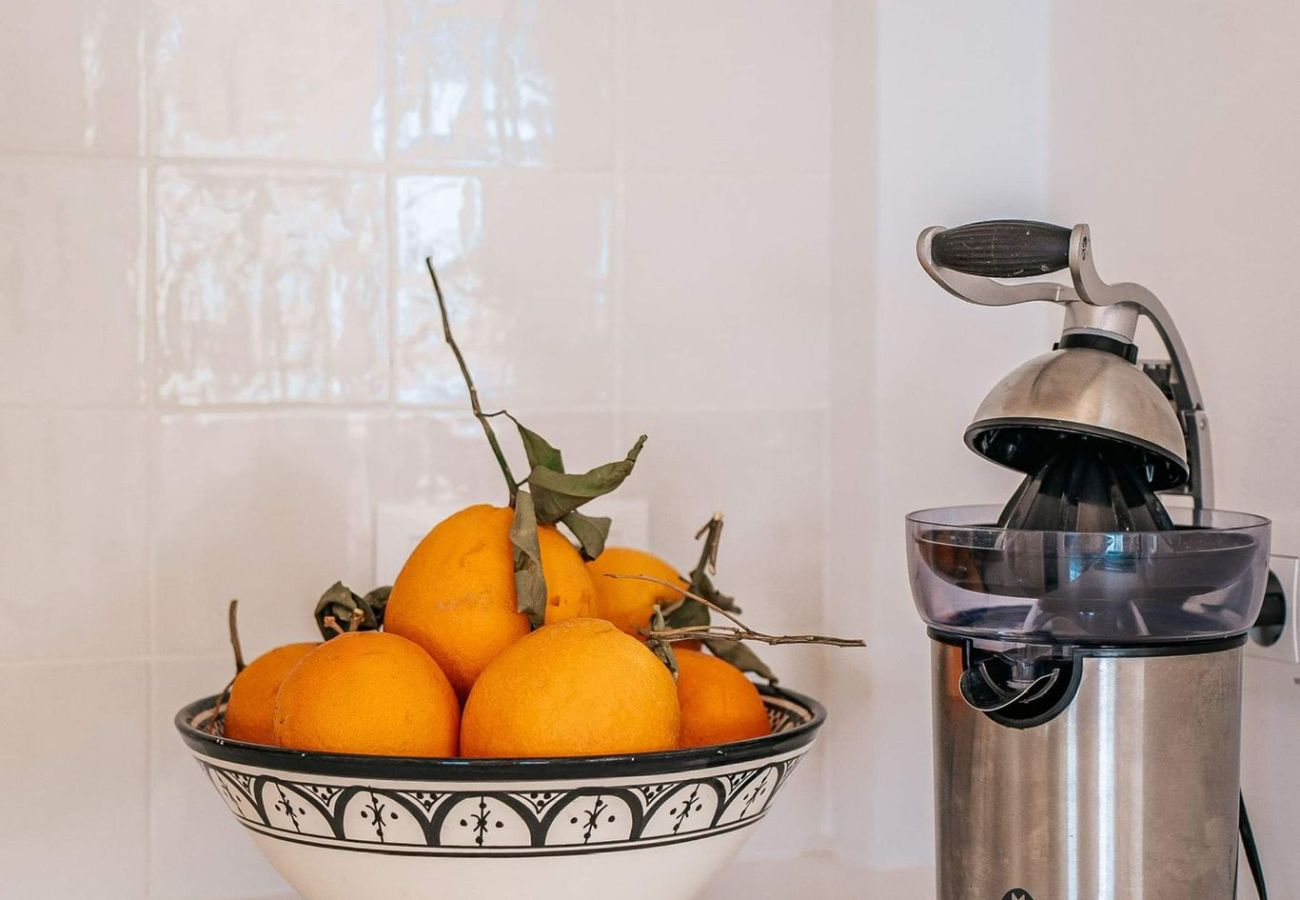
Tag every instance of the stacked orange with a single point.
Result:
(457, 670)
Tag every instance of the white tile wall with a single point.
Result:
(72, 270)
(525, 260)
(219, 351)
(251, 79)
(71, 75)
(75, 744)
(728, 291)
(740, 86)
(261, 508)
(76, 542)
(496, 82)
(269, 286)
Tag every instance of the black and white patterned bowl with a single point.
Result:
(655, 825)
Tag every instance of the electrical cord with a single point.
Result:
(1252, 851)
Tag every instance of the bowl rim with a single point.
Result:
(415, 768)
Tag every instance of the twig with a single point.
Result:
(219, 711)
(726, 633)
(741, 632)
(232, 623)
(333, 624)
(511, 484)
(683, 591)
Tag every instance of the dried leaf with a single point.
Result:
(740, 656)
(530, 583)
(539, 451)
(688, 614)
(591, 532)
(340, 604)
(702, 585)
(557, 494)
(700, 582)
(377, 600)
(662, 649)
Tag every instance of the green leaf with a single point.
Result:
(591, 532)
(530, 583)
(740, 656)
(340, 602)
(662, 649)
(557, 494)
(539, 451)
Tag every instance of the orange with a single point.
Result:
(368, 692)
(577, 688)
(629, 602)
(455, 596)
(250, 711)
(719, 704)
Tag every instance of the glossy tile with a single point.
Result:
(728, 86)
(443, 458)
(502, 82)
(270, 286)
(74, 540)
(727, 292)
(524, 262)
(71, 76)
(71, 307)
(190, 830)
(244, 78)
(269, 509)
(75, 743)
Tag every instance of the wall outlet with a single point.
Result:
(399, 527)
(1286, 648)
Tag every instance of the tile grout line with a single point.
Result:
(145, 659)
(408, 165)
(153, 432)
(308, 408)
(618, 289)
(392, 270)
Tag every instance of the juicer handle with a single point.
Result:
(1003, 248)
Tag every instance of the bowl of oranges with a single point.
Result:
(523, 713)
(571, 759)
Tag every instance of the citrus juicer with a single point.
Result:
(1086, 639)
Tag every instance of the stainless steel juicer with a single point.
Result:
(1086, 640)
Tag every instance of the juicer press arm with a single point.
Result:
(967, 261)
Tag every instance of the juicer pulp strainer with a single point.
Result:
(1086, 640)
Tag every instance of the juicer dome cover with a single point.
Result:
(1084, 391)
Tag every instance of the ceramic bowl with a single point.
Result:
(656, 826)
